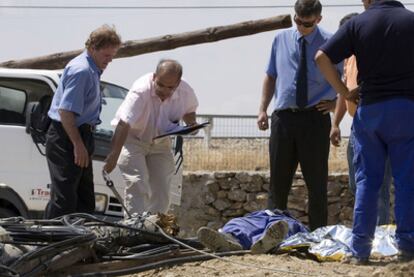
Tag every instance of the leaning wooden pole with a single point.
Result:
(167, 42)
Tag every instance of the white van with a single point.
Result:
(24, 176)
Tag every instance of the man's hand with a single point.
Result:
(353, 95)
(335, 136)
(263, 121)
(326, 106)
(195, 132)
(118, 140)
(81, 155)
(110, 162)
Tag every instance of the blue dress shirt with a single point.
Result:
(284, 63)
(79, 91)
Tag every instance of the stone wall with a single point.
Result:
(211, 199)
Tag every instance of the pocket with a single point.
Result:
(124, 157)
(278, 124)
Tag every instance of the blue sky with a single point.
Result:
(227, 75)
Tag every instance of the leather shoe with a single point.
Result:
(405, 256)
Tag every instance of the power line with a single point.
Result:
(175, 7)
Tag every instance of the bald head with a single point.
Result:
(169, 67)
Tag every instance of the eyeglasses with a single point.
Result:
(305, 24)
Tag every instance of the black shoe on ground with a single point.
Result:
(405, 256)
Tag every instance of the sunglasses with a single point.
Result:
(305, 24)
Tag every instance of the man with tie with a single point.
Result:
(300, 122)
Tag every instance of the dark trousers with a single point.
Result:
(72, 188)
(300, 137)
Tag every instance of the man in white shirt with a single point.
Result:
(154, 106)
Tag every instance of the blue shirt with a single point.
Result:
(284, 63)
(79, 91)
(382, 40)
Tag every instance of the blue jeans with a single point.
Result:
(384, 195)
(383, 130)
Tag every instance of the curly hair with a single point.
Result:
(104, 36)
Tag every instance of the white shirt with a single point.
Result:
(147, 115)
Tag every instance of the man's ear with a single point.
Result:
(319, 19)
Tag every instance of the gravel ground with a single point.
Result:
(283, 265)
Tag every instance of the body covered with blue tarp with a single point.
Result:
(250, 228)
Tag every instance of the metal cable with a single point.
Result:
(8, 269)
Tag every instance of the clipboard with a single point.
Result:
(183, 130)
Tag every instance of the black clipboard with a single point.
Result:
(184, 130)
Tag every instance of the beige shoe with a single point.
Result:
(216, 241)
(271, 238)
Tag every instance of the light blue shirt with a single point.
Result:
(79, 91)
(284, 63)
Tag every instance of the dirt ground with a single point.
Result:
(283, 265)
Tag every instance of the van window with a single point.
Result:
(12, 106)
(113, 91)
(12, 99)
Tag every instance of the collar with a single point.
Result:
(386, 3)
(309, 38)
(92, 63)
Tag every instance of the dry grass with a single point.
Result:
(233, 154)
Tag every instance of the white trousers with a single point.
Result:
(147, 169)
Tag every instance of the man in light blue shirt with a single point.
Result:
(300, 119)
(75, 111)
(80, 76)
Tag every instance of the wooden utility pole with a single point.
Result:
(167, 42)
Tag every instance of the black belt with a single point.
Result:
(298, 110)
(84, 127)
(87, 127)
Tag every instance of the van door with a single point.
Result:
(22, 169)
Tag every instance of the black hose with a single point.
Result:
(145, 234)
(153, 253)
(43, 265)
(54, 248)
(164, 263)
(4, 269)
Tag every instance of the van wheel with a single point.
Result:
(5, 212)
